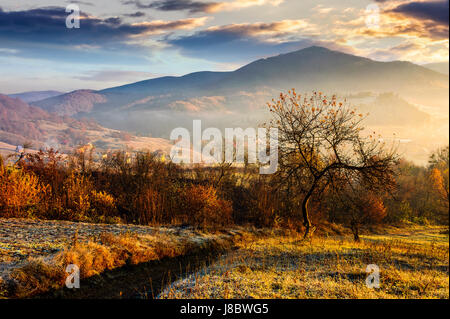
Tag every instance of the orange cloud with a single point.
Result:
(240, 4)
(194, 6)
(266, 29)
(159, 26)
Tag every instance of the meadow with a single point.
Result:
(126, 261)
(413, 263)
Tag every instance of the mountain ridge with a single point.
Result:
(441, 67)
(34, 96)
(307, 69)
(238, 98)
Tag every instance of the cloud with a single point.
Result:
(322, 10)
(392, 24)
(81, 2)
(194, 6)
(116, 75)
(179, 5)
(137, 14)
(245, 42)
(420, 19)
(248, 37)
(226, 47)
(399, 27)
(241, 4)
(275, 29)
(48, 25)
(8, 51)
(436, 11)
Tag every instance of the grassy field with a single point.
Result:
(34, 253)
(119, 261)
(413, 263)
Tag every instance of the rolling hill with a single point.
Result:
(35, 96)
(72, 103)
(20, 123)
(441, 67)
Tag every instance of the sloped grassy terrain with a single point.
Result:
(413, 263)
(34, 253)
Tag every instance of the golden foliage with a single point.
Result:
(202, 205)
(20, 192)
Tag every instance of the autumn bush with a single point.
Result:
(422, 192)
(203, 207)
(20, 192)
(103, 204)
(150, 205)
(77, 189)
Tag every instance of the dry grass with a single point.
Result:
(411, 266)
(106, 252)
(413, 263)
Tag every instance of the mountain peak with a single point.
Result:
(315, 48)
(322, 53)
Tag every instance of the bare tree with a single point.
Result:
(321, 145)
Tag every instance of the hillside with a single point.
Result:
(441, 67)
(390, 109)
(35, 96)
(20, 123)
(72, 103)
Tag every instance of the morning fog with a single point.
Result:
(236, 146)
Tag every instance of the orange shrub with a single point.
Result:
(103, 203)
(84, 203)
(77, 189)
(20, 192)
(202, 207)
(374, 208)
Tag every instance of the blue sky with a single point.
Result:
(122, 41)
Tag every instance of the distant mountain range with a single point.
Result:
(441, 67)
(313, 68)
(238, 98)
(34, 96)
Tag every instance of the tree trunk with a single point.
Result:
(355, 230)
(306, 221)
